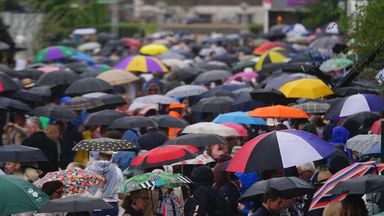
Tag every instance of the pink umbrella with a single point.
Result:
(47, 69)
(241, 130)
(243, 76)
(376, 126)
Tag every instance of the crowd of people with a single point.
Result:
(214, 191)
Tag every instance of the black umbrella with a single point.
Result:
(348, 91)
(369, 183)
(360, 123)
(198, 140)
(55, 78)
(20, 153)
(26, 96)
(229, 59)
(221, 104)
(88, 85)
(188, 74)
(168, 121)
(133, 122)
(289, 186)
(41, 90)
(54, 112)
(104, 117)
(214, 65)
(103, 144)
(83, 103)
(212, 75)
(29, 73)
(269, 96)
(13, 104)
(7, 84)
(109, 100)
(74, 204)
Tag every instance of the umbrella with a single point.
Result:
(7, 84)
(276, 82)
(239, 118)
(14, 104)
(89, 46)
(109, 100)
(142, 64)
(363, 142)
(54, 112)
(103, 144)
(321, 199)
(54, 53)
(41, 90)
(212, 75)
(88, 85)
(274, 55)
(325, 43)
(171, 55)
(164, 155)
(355, 104)
(168, 121)
(376, 126)
(198, 140)
(152, 180)
(74, 204)
(130, 122)
(260, 50)
(351, 90)
(154, 99)
(306, 88)
(244, 101)
(210, 128)
(313, 107)
(279, 149)
(278, 111)
(175, 63)
(132, 43)
(19, 196)
(229, 59)
(241, 130)
(290, 187)
(57, 78)
(20, 153)
(153, 49)
(213, 105)
(26, 96)
(335, 64)
(75, 180)
(269, 96)
(242, 65)
(201, 159)
(243, 76)
(82, 103)
(189, 73)
(369, 183)
(118, 77)
(104, 117)
(360, 122)
(186, 91)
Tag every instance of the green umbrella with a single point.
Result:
(335, 64)
(18, 195)
(152, 180)
(242, 65)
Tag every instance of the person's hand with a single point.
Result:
(240, 206)
(102, 182)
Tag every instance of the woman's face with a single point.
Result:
(141, 203)
(58, 193)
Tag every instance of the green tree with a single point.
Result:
(322, 12)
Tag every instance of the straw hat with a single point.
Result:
(27, 83)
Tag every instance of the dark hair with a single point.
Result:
(272, 194)
(113, 134)
(353, 205)
(85, 213)
(50, 187)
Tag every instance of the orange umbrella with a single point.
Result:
(260, 50)
(278, 111)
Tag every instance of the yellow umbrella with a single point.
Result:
(306, 88)
(274, 55)
(118, 77)
(153, 49)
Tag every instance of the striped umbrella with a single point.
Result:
(144, 64)
(54, 53)
(321, 199)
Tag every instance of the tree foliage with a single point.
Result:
(323, 12)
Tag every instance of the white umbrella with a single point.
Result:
(175, 63)
(186, 91)
(154, 99)
(90, 46)
(210, 128)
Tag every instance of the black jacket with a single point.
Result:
(262, 211)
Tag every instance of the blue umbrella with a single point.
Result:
(239, 118)
(84, 57)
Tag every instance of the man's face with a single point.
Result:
(275, 205)
(11, 167)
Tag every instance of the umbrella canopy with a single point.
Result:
(164, 155)
(19, 196)
(130, 122)
(269, 96)
(154, 99)
(290, 187)
(186, 91)
(20, 153)
(89, 46)
(239, 118)
(83, 103)
(321, 199)
(352, 90)
(210, 128)
(118, 77)
(7, 84)
(198, 140)
(355, 104)
(104, 117)
(277, 80)
(241, 130)
(313, 107)
(189, 73)
(74, 204)
(175, 64)
(278, 111)
(75, 180)
(54, 53)
(201, 159)
(363, 142)
(213, 105)
(14, 104)
(109, 100)
(335, 64)
(279, 149)
(54, 112)
(168, 121)
(88, 85)
(171, 55)
(260, 50)
(153, 49)
(361, 122)
(243, 76)
(57, 78)
(103, 144)
(306, 88)
(274, 55)
(212, 75)
(369, 183)
(142, 64)
(152, 180)
(325, 43)
(376, 126)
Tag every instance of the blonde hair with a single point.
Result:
(333, 209)
(51, 130)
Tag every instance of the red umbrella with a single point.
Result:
(132, 43)
(265, 47)
(164, 155)
(238, 127)
(376, 126)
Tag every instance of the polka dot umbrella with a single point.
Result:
(103, 144)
